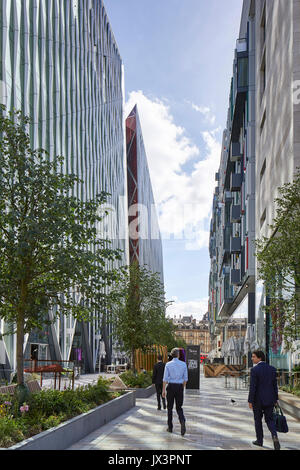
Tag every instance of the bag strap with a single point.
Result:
(278, 410)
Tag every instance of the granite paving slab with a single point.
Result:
(213, 422)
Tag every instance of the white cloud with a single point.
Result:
(196, 308)
(184, 199)
(205, 111)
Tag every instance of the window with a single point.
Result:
(263, 79)
(262, 124)
(263, 29)
(263, 218)
(263, 170)
(242, 66)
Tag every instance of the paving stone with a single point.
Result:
(213, 423)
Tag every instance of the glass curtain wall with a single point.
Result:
(59, 63)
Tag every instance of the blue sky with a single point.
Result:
(178, 58)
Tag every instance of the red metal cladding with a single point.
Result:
(132, 178)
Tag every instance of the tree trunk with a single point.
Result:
(20, 330)
(20, 354)
(297, 289)
(105, 339)
(133, 360)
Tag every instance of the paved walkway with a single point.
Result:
(83, 380)
(213, 423)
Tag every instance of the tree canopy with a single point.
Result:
(279, 264)
(139, 317)
(51, 256)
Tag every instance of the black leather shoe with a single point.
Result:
(256, 443)
(183, 429)
(276, 443)
(169, 430)
(159, 408)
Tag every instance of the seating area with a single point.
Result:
(33, 386)
(236, 379)
(116, 368)
(54, 369)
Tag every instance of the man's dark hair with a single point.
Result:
(175, 353)
(260, 355)
(159, 357)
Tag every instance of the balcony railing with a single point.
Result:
(235, 216)
(235, 276)
(236, 154)
(235, 182)
(241, 45)
(235, 245)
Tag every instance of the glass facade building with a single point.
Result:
(145, 244)
(60, 64)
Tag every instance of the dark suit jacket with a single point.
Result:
(263, 385)
(158, 373)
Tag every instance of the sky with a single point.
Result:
(178, 62)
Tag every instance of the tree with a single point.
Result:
(138, 317)
(51, 257)
(279, 265)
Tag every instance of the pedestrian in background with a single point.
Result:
(263, 396)
(176, 377)
(157, 379)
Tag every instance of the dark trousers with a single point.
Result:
(259, 411)
(159, 388)
(175, 393)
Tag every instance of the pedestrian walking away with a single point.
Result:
(263, 396)
(157, 379)
(174, 382)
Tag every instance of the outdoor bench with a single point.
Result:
(33, 386)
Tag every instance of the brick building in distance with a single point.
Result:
(193, 332)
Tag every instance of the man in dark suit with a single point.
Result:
(157, 379)
(263, 396)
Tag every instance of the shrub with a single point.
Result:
(11, 432)
(47, 409)
(289, 389)
(142, 380)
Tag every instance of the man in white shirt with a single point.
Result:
(176, 376)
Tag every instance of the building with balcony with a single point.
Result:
(277, 75)
(60, 64)
(232, 233)
(260, 153)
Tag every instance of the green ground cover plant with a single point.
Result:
(289, 389)
(47, 409)
(141, 380)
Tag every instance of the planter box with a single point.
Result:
(72, 431)
(144, 392)
(290, 404)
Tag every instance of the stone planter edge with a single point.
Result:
(290, 404)
(144, 392)
(68, 433)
